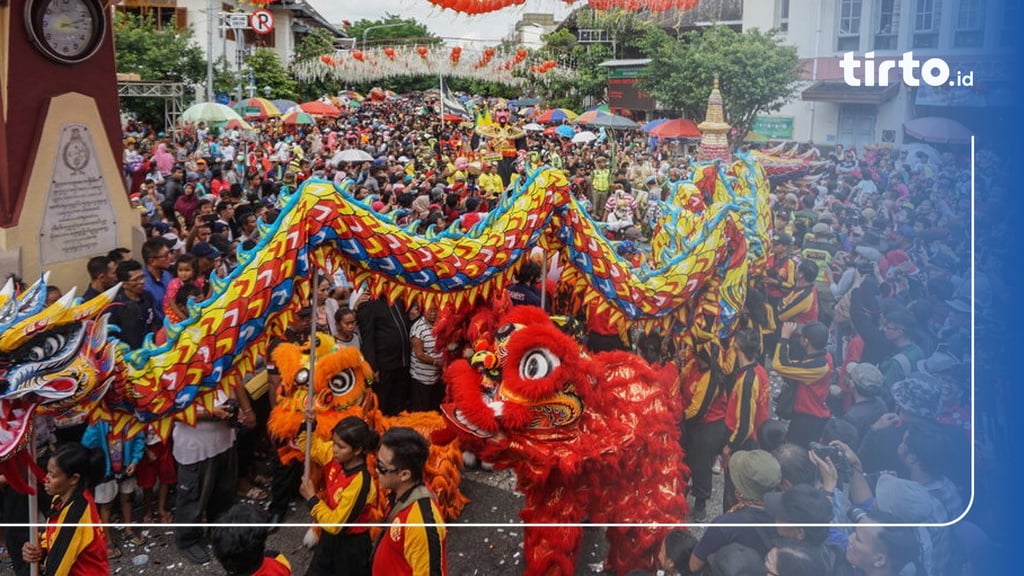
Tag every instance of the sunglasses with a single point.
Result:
(382, 470)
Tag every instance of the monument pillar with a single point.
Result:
(62, 192)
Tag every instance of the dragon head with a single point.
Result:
(52, 358)
(531, 381)
(340, 387)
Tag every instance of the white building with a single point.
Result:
(531, 28)
(231, 37)
(964, 33)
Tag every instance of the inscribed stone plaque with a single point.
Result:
(78, 220)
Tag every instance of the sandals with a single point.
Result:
(113, 552)
(134, 537)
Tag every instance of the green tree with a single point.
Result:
(757, 73)
(392, 30)
(156, 54)
(311, 47)
(268, 72)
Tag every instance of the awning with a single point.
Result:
(842, 93)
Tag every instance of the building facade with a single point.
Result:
(967, 34)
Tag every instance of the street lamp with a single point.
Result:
(377, 27)
(266, 91)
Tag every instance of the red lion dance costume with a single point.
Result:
(588, 437)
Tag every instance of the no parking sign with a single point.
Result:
(261, 21)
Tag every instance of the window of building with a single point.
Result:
(970, 24)
(888, 24)
(926, 24)
(848, 37)
(783, 24)
(163, 16)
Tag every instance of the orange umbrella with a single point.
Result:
(317, 108)
(677, 128)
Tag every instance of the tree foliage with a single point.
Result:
(757, 73)
(156, 54)
(391, 27)
(268, 72)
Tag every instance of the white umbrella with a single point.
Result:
(533, 127)
(351, 155)
(209, 112)
(584, 137)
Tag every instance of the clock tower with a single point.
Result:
(62, 191)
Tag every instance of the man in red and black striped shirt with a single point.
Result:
(804, 363)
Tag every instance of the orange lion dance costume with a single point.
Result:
(341, 388)
(588, 437)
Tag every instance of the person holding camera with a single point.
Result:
(207, 472)
(121, 458)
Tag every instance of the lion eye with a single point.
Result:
(302, 377)
(342, 382)
(538, 364)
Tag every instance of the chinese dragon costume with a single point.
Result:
(712, 235)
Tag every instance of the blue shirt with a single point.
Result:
(158, 289)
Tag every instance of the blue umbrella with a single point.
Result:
(654, 124)
(565, 131)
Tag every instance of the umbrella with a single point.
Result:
(937, 130)
(613, 122)
(452, 118)
(209, 112)
(257, 108)
(353, 95)
(653, 124)
(351, 155)
(297, 117)
(565, 131)
(317, 108)
(285, 105)
(584, 137)
(677, 128)
(556, 115)
(238, 124)
(533, 127)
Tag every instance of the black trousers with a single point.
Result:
(341, 555)
(206, 490)
(426, 397)
(804, 429)
(284, 487)
(394, 390)
(703, 441)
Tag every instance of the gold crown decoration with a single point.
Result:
(714, 140)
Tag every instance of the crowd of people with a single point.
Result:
(845, 397)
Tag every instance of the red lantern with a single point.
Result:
(456, 55)
(489, 53)
(327, 59)
(358, 55)
(520, 55)
(390, 53)
(422, 51)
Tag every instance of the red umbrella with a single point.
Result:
(678, 128)
(452, 118)
(317, 108)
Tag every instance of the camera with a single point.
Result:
(231, 407)
(843, 467)
(865, 268)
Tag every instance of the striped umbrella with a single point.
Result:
(297, 116)
(285, 105)
(653, 124)
(257, 108)
(556, 115)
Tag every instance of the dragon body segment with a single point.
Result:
(53, 359)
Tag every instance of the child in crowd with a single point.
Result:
(348, 335)
(349, 491)
(157, 465)
(122, 456)
(184, 273)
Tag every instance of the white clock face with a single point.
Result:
(67, 26)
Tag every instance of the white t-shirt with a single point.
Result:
(419, 370)
(208, 438)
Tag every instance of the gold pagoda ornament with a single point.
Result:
(714, 140)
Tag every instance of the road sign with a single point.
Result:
(261, 21)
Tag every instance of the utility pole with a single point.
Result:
(211, 13)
